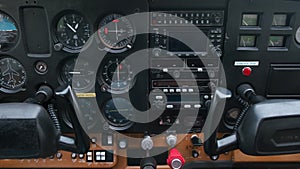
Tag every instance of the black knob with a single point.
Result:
(148, 163)
(196, 141)
(195, 153)
(207, 103)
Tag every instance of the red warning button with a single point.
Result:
(247, 71)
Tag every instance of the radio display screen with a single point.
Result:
(196, 43)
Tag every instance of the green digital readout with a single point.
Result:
(276, 41)
(247, 40)
(250, 20)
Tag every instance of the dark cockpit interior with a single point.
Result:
(150, 84)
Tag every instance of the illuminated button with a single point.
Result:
(89, 156)
(187, 106)
(206, 97)
(73, 155)
(191, 90)
(247, 71)
(200, 69)
(165, 90)
(178, 90)
(165, 70)
(197, 106)
(184, 90)
(81, 156)
(169, 106)
(158, 97)
(109, 139)
(172, 91)
(59, 155)
(93, 140)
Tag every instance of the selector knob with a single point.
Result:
(147, 143)
(148, 163)
(175, 159)
(196, 141)
(171, 140)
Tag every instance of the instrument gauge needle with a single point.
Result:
(71, 28)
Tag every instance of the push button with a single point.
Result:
(247, 71)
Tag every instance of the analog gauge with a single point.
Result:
(231, 117)
(118, 111)
(116, 33)
(79, 77)
(72, 30)
(89, 113)
(117, 75)
(8, 32)
(12, 74)
(297, 36)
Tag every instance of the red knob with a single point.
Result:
(175, 159)
(247, 71)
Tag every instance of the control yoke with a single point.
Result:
(269, 127)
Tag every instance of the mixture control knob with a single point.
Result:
(147, 143)
(196, 141)
(175, 159)
(148, 163)
(171, 140)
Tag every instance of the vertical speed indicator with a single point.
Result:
(116, 33)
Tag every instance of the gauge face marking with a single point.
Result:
(116, 32)
(12, 74)
(79, 77)
(8, 32)
(117, 75)
(73, 31)
(118, 111)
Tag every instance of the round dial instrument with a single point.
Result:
(117, 75)
(116, 33)
(8, 32)
(12, 74)
(118, 111)
(88, 110)
(297, 36)
(72, 31)
(79, 77)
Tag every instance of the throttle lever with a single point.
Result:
(82, 140)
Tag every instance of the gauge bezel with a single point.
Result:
(297, 36)
(114, 126)
(61, 79)
(130, 79)
(54, 30)
(103, 46)
(18, 32)
(20, 87)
